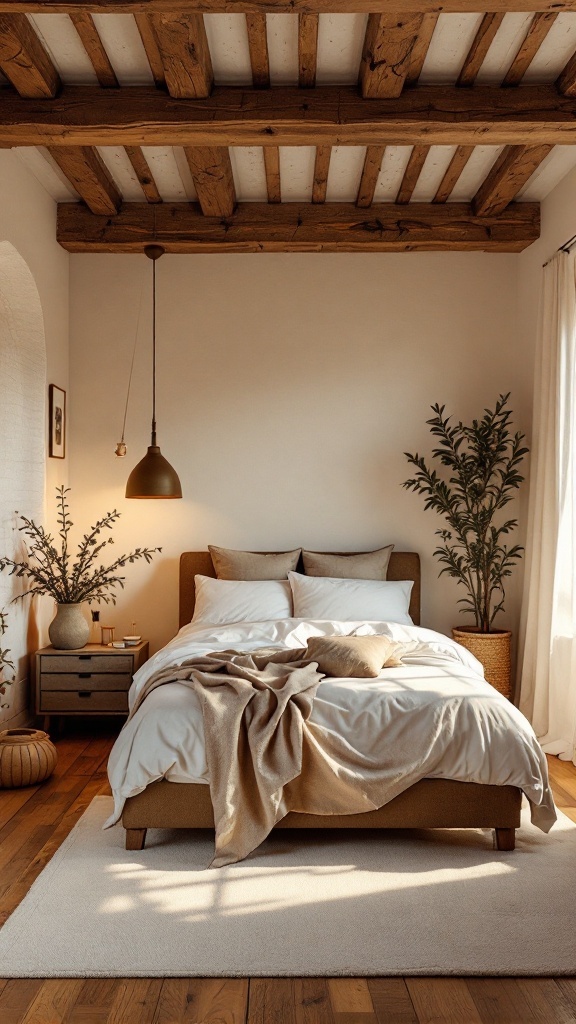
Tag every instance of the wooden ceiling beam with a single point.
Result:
(566, 81)
(513, 168)
(299, 227)
(272, 171)
(211, 172)
(307, 50)
(386, 54)
(258, 47)
(430, 115)
(92, 43)
(370, 174)
(321, 170)
(482, 42)
(84, 168)
(412, 173)
(150, 44)
(143, 173)
(277, 6)
(420, 49)
(537, 32)
(452, 173)
(183, 48)
(23, 59)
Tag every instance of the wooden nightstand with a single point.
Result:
(91, 681)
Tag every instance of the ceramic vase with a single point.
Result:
(69, 630)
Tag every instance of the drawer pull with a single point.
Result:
(85, 675)
(85, 657)
(84, 693)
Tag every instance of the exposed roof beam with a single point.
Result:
(431, 115)
(258, 47)
(370, 174)
(299, 227)
(272, 171)
(278, 6)
(481, 44)
(387, 52)
(321, 169)
(420, 48)
(211, 172)
(85, 169)
(539, 29)
(86, 29)
(452, 173)
(23, 59)
(566, 81)
(412, 173)
(307, 50)
(150, 44)
(513, 168)
(183, 48)
(143, 173)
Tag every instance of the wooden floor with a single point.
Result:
(33, 823)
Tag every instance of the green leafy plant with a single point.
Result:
(5, 660)
(482, 469)
(71, 579)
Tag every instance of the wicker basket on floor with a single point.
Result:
(27, 757)
(493, 652)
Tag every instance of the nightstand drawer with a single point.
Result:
(59, 701)
(86, 681)
(86, 663)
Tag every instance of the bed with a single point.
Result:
(428, 803)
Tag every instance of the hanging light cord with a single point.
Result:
(153, 352)
(121, 446)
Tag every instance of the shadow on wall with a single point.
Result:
(22, 447)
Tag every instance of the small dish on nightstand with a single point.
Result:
(132, 641)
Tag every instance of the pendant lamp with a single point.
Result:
(153, 477)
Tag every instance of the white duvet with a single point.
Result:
(436, 717)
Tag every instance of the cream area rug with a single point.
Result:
(306, 903)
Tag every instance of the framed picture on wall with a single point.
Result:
(57, 413)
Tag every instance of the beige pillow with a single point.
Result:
(252, 565)
(369, 565)
(358, 656)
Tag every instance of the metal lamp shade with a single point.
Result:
(153, 477)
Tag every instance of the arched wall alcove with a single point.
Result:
(22, 447)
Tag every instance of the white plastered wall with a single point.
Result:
(289, 387)
(34, 352)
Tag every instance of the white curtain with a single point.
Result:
(548, 687)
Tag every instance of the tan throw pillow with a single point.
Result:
(358, 656)
(252, 565)
(368, 565)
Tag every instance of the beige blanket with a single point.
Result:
(255, 707)
(264, 756)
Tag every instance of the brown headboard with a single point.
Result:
(403, 565)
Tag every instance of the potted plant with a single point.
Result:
(482, 475)
(71, 580)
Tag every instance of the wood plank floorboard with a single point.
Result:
(35, 821)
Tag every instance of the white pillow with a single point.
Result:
(219, 602)
(325, 597)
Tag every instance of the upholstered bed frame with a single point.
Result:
(430, 803)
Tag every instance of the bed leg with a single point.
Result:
(135, 838)
(505, 838)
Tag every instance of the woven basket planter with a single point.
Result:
(492, 651)
(26, 757)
